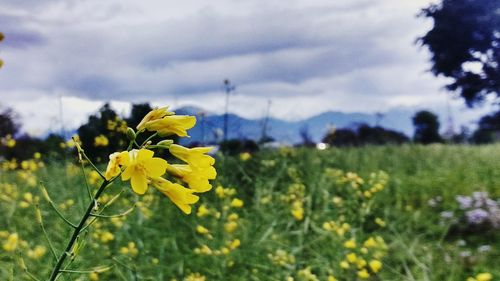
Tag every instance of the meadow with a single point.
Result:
(370, 213)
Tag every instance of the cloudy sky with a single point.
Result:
(305, 56)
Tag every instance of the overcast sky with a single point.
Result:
(306, 56)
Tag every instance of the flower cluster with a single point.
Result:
(476, 213)
(143, 169)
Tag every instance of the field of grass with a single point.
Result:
(372, 213)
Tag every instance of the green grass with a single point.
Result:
(419, 244)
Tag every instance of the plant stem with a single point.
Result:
(76, 232)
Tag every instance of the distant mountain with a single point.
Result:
(211, 125)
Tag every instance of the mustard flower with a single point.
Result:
(116, 161)
(195, 157)
(182, 197)
(197, 177)
(142, 166)
(154, 114)
(172, 125)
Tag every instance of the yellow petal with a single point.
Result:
(127, 174)
(139, 183)
(155, 167)
(182, 197)
(144, 154)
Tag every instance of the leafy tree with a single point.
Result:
(426, 127)
(379, 136)
(8, 123)
(465, 46)
(488, 130)
(108, 124)
(364, 135)
(341, 137)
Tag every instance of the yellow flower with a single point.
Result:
(195, 277)
(201, 229)
(380, 222)
(351, 257)
(101, 140)
(196, 178)
(234, 244)
(350, 244)
(202, 211)
(37, 252)
(141, 167)
(375, 265)
(172, 125)
(331, 278)
(195, 157)
(11, 243)
(93, 276)
(370, 243)
(363, 274)
(182, 197)
(154, 114)
(245, 156)
(230, 227)
(116, 160)
(236, 203)
(344, 264)
(484, 277)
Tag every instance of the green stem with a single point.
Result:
(76, 232)
(149, 138)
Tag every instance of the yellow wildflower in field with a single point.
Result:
(351, 257)
(37, 252)
(106, 237)
(197, 177)
(380, 222)
(93, 276)
(116, 161)
(141, 167)
(202, 211)
(375, 265)
(153, 115)
(129, 250)
(282, 258)
(245, 156)
(11, 243)
(237, 203)
(195, 277)
(230, 227)
(350, 244)
(306, 275)
(331, 278)
(94, 177)
(182, 197)
(101, 140)
(486, 276)
(363, 274)
(234, 244)
(201, 229)
(172, 125)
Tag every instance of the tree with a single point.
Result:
(465, 46)
(105, 123)
(488, 130)
(426, 127)
(8, 123)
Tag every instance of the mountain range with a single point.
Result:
(210, 126)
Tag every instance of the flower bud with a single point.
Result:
(130, 134)
(38, 215)
(165, 143)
